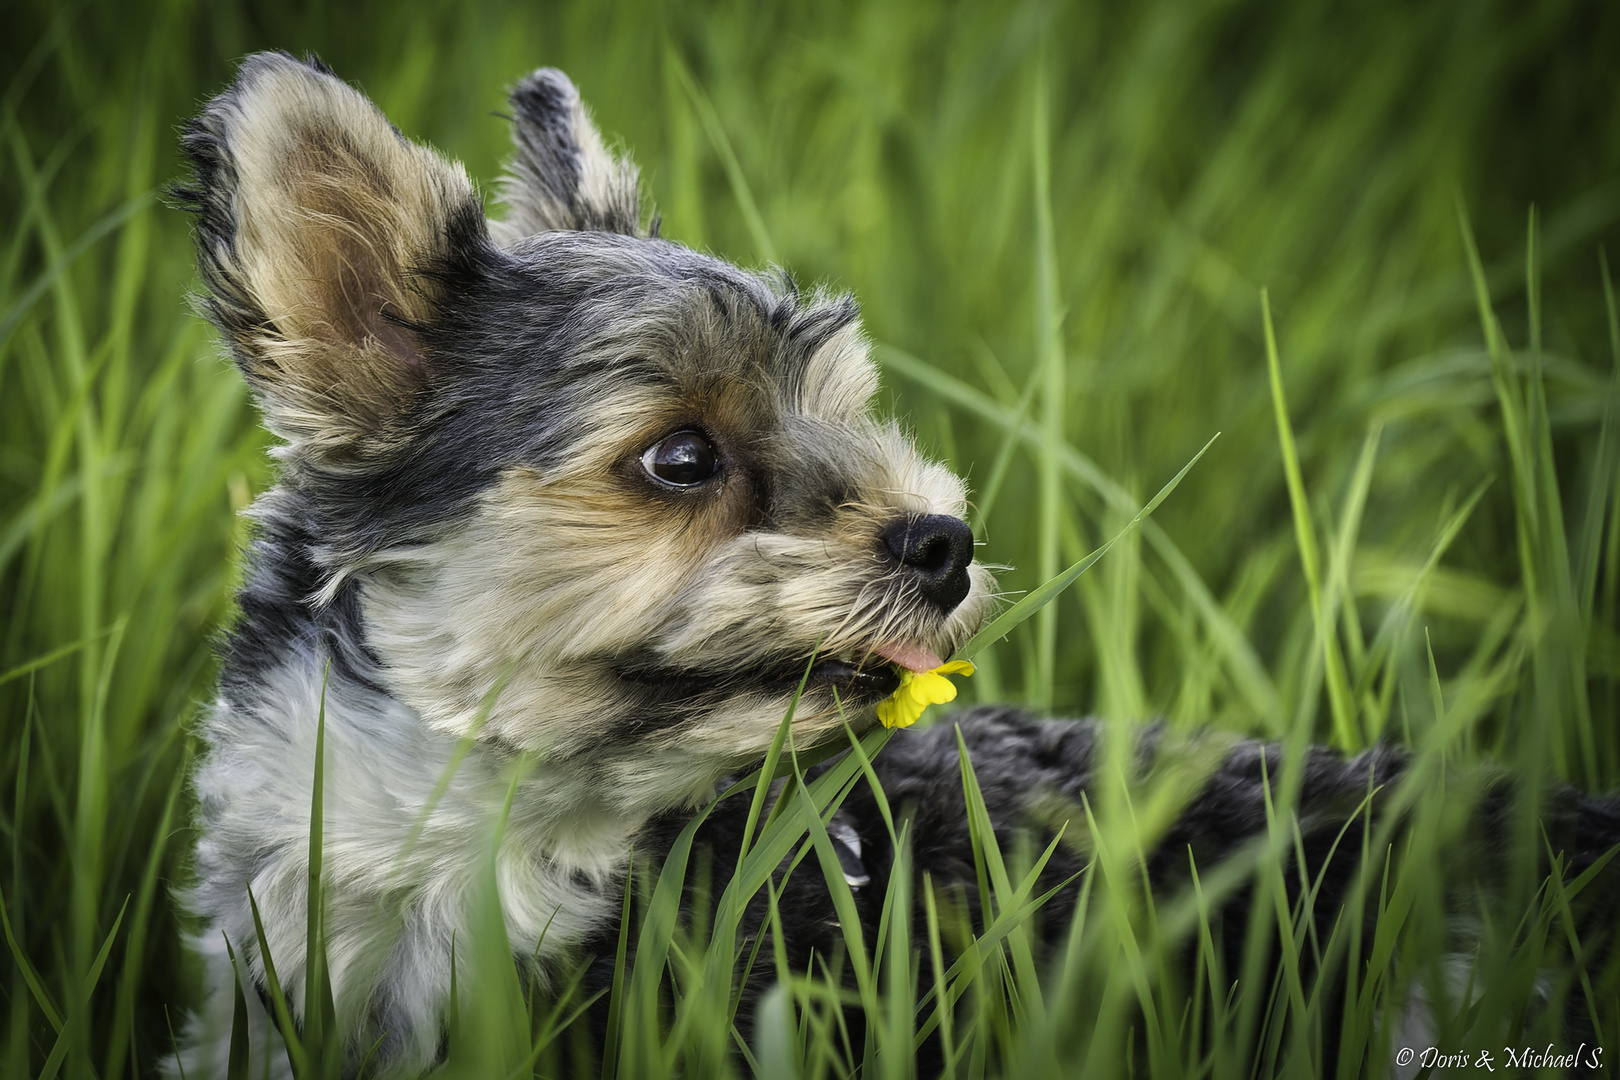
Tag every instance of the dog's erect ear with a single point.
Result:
(322, 234)
(562, 176)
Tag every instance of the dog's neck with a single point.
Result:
(411, 815)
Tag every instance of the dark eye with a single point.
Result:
(684, 459)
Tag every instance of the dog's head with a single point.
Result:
(594, 493)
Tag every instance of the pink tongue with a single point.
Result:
(911, 657)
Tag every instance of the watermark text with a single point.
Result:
(1582, 1057)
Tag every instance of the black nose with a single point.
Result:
(938, 550)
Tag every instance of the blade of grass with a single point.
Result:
(772, 757)
(320, 1019)
(615, 1016)
(1606, 460)
(1386, 644)
(1003, 624)
(103, 227)
(1049, 358)
(54, 655)
(774, 1023)
(896, 1058)
(1004, 453)
(65, 1039)
(1341, 598)
(30, 975)
(237, 1063)
(942, 1010)
(728, 157)
(1346, 732)
(280, 1013)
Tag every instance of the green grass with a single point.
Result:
(1086, 238)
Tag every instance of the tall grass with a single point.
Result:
(1060, 219)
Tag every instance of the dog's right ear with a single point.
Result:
(563, 176)
(322, 235)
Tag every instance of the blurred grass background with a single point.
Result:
(1058, 219)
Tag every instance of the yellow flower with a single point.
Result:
(918, 690)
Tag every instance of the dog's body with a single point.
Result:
(554, 488)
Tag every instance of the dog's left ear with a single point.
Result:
(563, 176)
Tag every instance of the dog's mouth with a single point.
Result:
(859, 677)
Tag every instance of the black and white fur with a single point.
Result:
(466, 546)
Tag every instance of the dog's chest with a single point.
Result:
(416, 827)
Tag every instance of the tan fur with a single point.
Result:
(336, 212)
(840, 379)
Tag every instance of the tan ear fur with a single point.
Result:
(317, 217)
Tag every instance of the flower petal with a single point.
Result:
(933, 688)
(917, 691)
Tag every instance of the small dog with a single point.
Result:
(552, 485)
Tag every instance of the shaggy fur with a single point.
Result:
(465, 545)
(471, 554)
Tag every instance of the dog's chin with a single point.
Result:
(856, 681)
